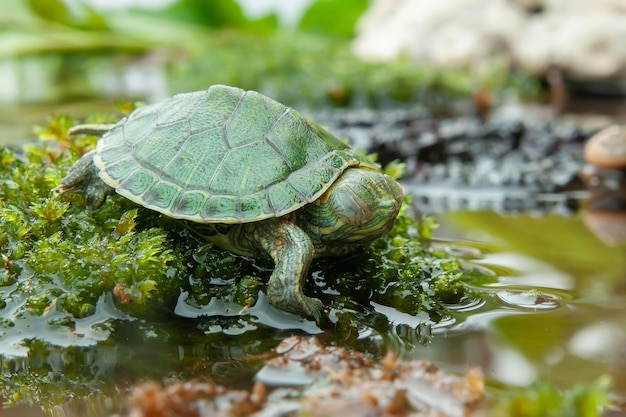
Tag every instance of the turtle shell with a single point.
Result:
(223, 155)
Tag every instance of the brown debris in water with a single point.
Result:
(341, 383)
(193, 399)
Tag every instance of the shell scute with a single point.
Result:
(242, 168)
(168, 115)
(133, 129)
(214, 109)
(161, 148)
(311, 182)
(291, 139)
(251, 206)
(283, 197)
(135, 185)
(116, 154)
(197, 158)
(252, 119)
(190, 203)
(163, 194)
(223, 207)
(117, 172)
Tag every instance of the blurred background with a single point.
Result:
(73, 55)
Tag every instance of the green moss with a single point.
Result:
(58, 255)
(70, 275)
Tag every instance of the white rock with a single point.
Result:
(441, 32)
(584, 38)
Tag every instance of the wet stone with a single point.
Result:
(607, 148)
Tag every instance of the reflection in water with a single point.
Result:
(261, 312)
(529, 272)
(532, 299)
(605, 215)
(471, 304)
(509, 366)
(606, 340)
(556, 310)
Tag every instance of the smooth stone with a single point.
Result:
(607, 148)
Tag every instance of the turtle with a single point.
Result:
(244, 171)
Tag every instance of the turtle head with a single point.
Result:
(359, 207)
(83, 177)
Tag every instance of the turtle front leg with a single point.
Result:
(292, 251)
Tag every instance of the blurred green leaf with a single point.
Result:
(80, 15)
(266, 23)
(333, 17)
(54, 10)
(214, 14)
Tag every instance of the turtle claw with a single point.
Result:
(298, 304)
(288, 296)
(311, 307)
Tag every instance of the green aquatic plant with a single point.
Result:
(543, 399)
(59, 257)
(63, 274)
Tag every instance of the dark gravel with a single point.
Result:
(511, 162)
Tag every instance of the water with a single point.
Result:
(555, 312)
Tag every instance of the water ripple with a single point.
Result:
(529, 299)
(468, 304)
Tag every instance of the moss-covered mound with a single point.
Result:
(70, 275)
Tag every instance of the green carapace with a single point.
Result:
(246, 172)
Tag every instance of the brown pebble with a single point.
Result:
(607, 148)
(605, 216)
